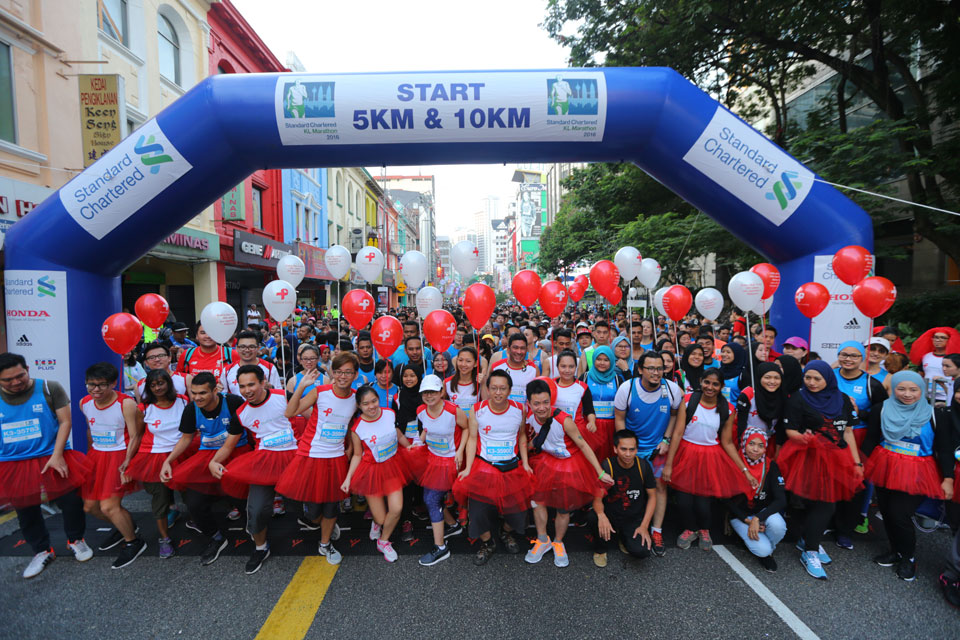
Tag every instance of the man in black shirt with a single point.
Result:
(627, 507)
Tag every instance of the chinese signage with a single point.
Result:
(101, 117)
(233, 203)
(252, 249)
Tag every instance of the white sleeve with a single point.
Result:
(274, 378)
(676, 396)
(622, 399)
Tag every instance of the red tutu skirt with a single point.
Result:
(261, 467)
(146, 466)
(299, 424)
(601, 440)
(194, 473)
(818, 470)
(508, 491)
(104, 479)
(381, 478)
(916, 475)
(437, 473)
(706, 470)
(859, 435)
(314, 480)
(22, 484)
(564, 483)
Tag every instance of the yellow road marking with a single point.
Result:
(297, 607)
(7, 517)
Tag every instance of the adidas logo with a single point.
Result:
(24, 341)
(853, 324)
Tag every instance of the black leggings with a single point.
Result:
(200, 506)
(694, 511)
(34, 529)
(897, 507)
(815, 521)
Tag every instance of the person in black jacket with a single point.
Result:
(757, 518)
(948, 421)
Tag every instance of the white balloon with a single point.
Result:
(429, 299)
(658, 300)
(465, 257)
(291, 269)
(709, 303)
(628, 261)
(649, 273)
(745, 290)
(763, 306)
(337, 259)
(413, 267)
(219, 320)
(280, 299)
(370, 263)
(632, 292)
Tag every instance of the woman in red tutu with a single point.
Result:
(602, 383)
(567, 475)
(378, 470)
(697, 466)
(820, 460)
(903, 467)
(162, 409)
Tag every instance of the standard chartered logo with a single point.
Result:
(785, 189)
(45, 287)
(147, 146)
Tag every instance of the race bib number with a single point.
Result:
(384, 452)
(104, 437)
(903, 448)
(568, 409)
(333, 433)
(20, 431)
(519, 396)
(557, 452)
(440, 445)
(213, 442)
(603, 409)
(411, 431)
(497, 450)
(277, 440)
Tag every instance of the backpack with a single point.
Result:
(723, 408)
(226, 357)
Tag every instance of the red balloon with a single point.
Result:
(770, 276)
(479, 302)
(852, 264)
(553, 298)
(121, 332)
(576, 291)
(152, 310)
(811, 299)
(615, 296)
(526, 287)
(874, 295)
(677, 301)
(440, 328)
(358, 307)
(553, 388)
(605, 277)
(583, 280)
(387, 335)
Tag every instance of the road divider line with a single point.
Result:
(7, 517)
(772, 601)
(297, 607)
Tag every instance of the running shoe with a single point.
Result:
(560, 557)
(279, 508)
(234, 514)
(406, 531)
(844, 542)
(213, 550)
(166, 548)
(686, 539)
(256, 560)
(190, 524)
(824, 558)
(434, 556)
(509, 542)
(360, 504)
(335, 534)
(172, 516)
(907, 569)
(887, 559)
(864, 527)
(951, 590)
(420, 513)
(483, 554)
(768, 563)
(346, 505)
(659, 549)
(384, 547)
(600, 560)
(375, 530)
(451, 530)
(114, 539)
(81, 550)
(330, 553)
(306, 524)
(129, 552)
(537, 551)
(811, 562)
(706, 542)
(39, 563)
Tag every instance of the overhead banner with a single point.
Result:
(37, 323)
(565, 106)
(101, 114)
(841, 320)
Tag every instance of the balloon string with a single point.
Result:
(751, 357)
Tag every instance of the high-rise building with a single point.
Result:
(443, 255)
(424, 203)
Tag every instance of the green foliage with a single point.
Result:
(922, 311)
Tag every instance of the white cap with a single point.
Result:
(431, 383)
(883, 342)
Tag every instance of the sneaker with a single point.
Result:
(39, 563)
(166, 548)
(406, 531)
(951, 590)
(506, 537)
(768, 563)
(436, 555)
(114, 539)
(335, 534)
(887, 559)
(864, 527)
(346, 505)
(824, 558)
(279, 508)
(907, 570)
(330, 553)
(560, 557)
(306, 524)
(706, 543)
(81, 550)
(233, 515)
(452, 530)
(256, 560)
(537, 551)
(361, 504)
(172, 516)
(844, 542)
(486, 550)
(190, 524)
(659, 549)
(420, 513)
(384, 547)
(600, 560)
(811, 562)
(686, 539)
(129, 552)
(375, 530)
(213, 550)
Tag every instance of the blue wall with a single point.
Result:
(309, 188)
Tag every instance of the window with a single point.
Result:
(296, 221)
(8, 125)
(339, 189)
(257, 207)
(112, 19)
(169, 49)
(350, 198)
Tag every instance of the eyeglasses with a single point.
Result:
(303, 359)
(849, 356)
(103, 385)
(941, 337)
(654, 369)
(157, 356)
(344, 372)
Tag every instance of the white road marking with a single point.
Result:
(772, 601)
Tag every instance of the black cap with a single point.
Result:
(179, 326)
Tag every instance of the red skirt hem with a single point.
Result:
(916, 475)
(415, 460)
(508, 491)
(104, 480)
(194, 473)
(315, 480)
(261, 467)
(23, 485)
(380, 478)
(818, 470)
(601, 440)
(145, 466)
(564, 483)
(438, 472)
(706, 470)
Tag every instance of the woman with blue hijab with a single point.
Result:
(602, 382)
(820, 460)
(903, 467)
(623, 357)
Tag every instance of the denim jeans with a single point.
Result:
(775, 529)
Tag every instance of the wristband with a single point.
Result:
(602, 473)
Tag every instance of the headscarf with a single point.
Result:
(692, 374)
(735, 368)
(855, 345)
(408, 398)
(603, 377)
(769, 403)
(746, 377)
(756, 467)
(613, 348)
(899, 421)
(792, 374)
(924, 344)
(828, 401)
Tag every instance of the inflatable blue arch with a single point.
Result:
(81, 238)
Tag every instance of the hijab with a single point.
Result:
(613, 347)
(828, 401)
(746, 377)
(899, 421)
(603, 377)
(735, 368)
(408, 399)
(758, 467)
(792, 374)
(769, 403)
(692, 374)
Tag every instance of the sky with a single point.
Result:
(415, 35)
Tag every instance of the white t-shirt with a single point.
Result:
(933, 368)
(269, 371)
(622, 398)
(268, 423)
(704, 426)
